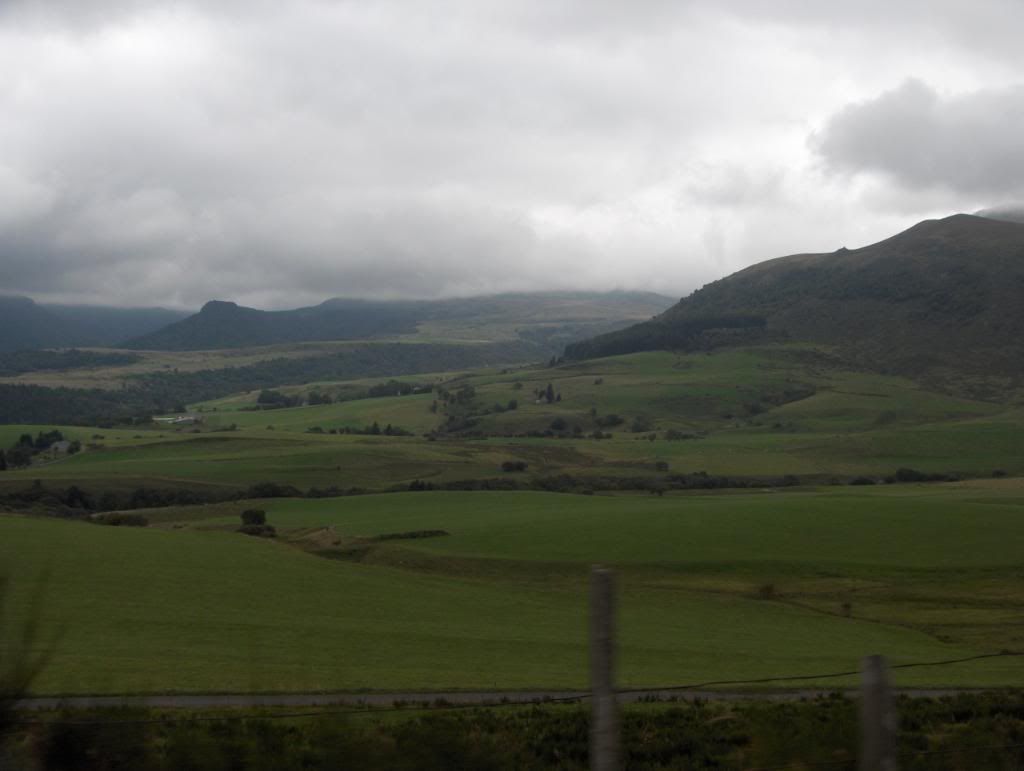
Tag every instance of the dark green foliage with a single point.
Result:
(43, 441)
(3, 461)
(397, 388)
(411, 535)
(641, 425)
(19, 456)
(272, 490)
(34, 361)
(273, 400)
(969, 731)
(315, 397)
(261, 531)
(120, 519)
(514, 465)
(913, 475)
(254, 517)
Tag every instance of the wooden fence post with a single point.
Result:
(878, 720)
(604, 721)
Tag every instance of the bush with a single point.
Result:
(262, 531)
(254, 517)
(117, 519)
(514, 465)
(641, 425)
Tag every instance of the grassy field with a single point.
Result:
(771, 412)
(721, 585)
(929, 573)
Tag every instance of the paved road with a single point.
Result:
(206, 701)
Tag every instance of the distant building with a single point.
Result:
(178, 420)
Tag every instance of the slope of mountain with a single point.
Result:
(106, 326)
(228, 325)
(946, 293)
(26, 324)
(547, 319)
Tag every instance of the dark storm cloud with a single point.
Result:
(968, 142)
(170, 151)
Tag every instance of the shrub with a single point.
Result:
(117, 519)
(262, 531)
(514, 465)
(254, 517)
(641, 425)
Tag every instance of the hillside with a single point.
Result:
(26, 324)
(944, 295)
(546, 319)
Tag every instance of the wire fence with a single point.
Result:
(436, 706)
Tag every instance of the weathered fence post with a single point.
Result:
(878, 720)
(604, 721)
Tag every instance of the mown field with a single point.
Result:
(726, 586)
(774, 411)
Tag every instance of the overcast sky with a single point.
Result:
(279, 153)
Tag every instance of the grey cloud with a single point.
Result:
(170, 151)
(969, 142)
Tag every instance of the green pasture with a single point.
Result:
(411, 413)
(770, 411)
(240, 459)
(967, 527)
(500, 602)
(943, 558)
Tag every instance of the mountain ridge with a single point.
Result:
(226, 324)
(944, 293)
(26, 324)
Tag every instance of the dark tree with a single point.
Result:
(254, 517)
(3, 461)
(549, 393)
(19, 456)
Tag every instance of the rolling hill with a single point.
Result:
(549, 319)
(26, 324)
(945, 295)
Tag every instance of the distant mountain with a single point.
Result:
(548, 319)
(26, 324)
(1008, 212)
(945, 294)
(228, 325)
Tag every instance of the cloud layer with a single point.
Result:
(280, 153)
